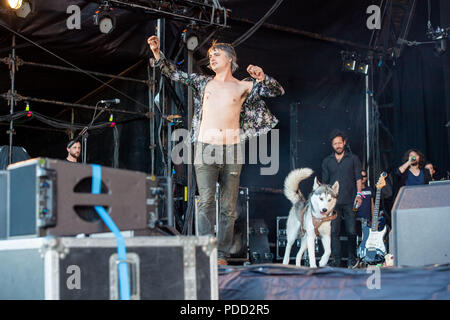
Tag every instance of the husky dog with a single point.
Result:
(310, 217)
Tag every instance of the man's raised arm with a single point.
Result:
(170, 70)
(269, 86)
(153, 42)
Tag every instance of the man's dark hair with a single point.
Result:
(421, 157)
(72, 142)
(337, 133)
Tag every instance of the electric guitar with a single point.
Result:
(372, 249)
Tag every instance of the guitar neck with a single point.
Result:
(376, 210)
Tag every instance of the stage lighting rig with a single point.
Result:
(190, 38)
(200, 12)
(354, 62)
(104, 17)
(349, 60)
(439, 36)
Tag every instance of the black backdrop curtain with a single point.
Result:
(445, 21)
(420, 106)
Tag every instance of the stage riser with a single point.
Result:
(161, 268)
(279, 282)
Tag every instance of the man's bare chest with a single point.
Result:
(225, 93)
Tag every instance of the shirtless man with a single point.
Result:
(227, 111)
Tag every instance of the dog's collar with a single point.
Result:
(329, 217)
(317, 222)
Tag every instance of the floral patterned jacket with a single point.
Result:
(256, 119)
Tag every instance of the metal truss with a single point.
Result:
(387, 45)
(200, 12)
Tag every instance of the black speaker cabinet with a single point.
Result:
(259, 246)
(421, 225)
(54, 197)
(17, 153)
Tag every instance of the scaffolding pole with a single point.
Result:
(12, 67)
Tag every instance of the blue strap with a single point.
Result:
(121, 249)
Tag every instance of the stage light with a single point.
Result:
(354, 62)
(15, 4)
(106, 24)
(21, 8)
(349, 65)
(104, 18)
(192, 43)
(24, 10)
(348, 60)
(362, 68)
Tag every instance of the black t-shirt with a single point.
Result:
(347, 172)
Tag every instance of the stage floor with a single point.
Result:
(280, 282)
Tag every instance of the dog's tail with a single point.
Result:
(291, 188)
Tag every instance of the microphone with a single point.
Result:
(116, 101)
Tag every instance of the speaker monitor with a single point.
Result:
(420, 225)
(54, 197)
(17, 154)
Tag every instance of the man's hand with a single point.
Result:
(358, 200)
(256, 72)
(153, 42)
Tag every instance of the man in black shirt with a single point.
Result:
(345, 167)
(73, 153)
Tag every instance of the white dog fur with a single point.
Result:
(320, 204)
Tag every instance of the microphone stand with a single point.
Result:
(84, 132)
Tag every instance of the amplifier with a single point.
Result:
(53, 197)
(282, 242)
(420, 225)
(259, 246)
